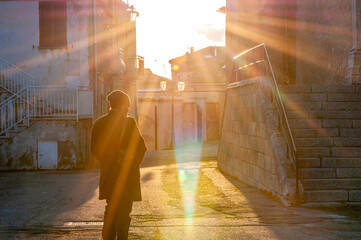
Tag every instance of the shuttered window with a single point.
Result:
(52, 24)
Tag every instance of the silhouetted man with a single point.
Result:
(119, 147)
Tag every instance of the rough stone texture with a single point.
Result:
(347, 142)
(348, 172)
(20, 152)
(341, 162)
(314, 142)
(309, 162)
(355, 195)
(328, 140)
(314, 152)
(317, 172)
(331, 184)
(301, 123)
(343, 97)
(336, 123)
(329, 195)
(252, 148)
(315, 133)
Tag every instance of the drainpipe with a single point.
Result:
(95, 63)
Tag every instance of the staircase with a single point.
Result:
(21, 100)
(15, 98)
(326, 126)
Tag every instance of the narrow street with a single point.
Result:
(184, 197)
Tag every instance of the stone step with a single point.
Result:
(338, 152)
(340, 162)
(342, 114)
(317, 173)
(327, 142)
(323, 114)
(305, 123)
(347, 142)
(329, 162)
(323, 123)
(308, 152)
(298, 98)
(327, 106)
(328, 195)
(331, 184)
(292, 106)
(314, 142)
(6, 135)
(309, 162)
(316, 133)
(304, 97)
(340, 106)
(328, 173)
(319, 89)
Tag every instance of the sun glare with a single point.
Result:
(167, 29)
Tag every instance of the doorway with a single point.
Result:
(47, 154)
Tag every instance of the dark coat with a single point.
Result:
(120, 154)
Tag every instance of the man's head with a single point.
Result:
(119, 100)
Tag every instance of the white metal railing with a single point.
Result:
(55, 101)
(15, 111)
(28, 100)
(12, 78)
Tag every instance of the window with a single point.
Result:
(52, 24)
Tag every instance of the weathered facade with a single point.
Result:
(307, 46)
(58, 61)
(197, 110)
(313, 47)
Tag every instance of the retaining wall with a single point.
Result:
(252, 148)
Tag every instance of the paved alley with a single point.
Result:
(184, 197)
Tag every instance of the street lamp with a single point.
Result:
(172, 88)
(133, 14)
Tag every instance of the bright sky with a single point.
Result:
(168, 28)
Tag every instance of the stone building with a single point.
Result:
(313, 48)
(197, 110)
(58, 61)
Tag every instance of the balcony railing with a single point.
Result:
(55, 101)
(135, 66)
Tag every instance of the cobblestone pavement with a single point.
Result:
(184, 197)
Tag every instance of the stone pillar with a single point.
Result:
(353, 73)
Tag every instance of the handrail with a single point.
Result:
(18, 69)
(13, 79)
(281, 108)
(17, 95)
(14, 112)
(283, 112)
(255, 59)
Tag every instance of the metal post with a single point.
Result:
(77, 104)
(28, 107)
(171, 145)
(298, 200)
(155, 128)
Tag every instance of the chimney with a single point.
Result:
(192, 49)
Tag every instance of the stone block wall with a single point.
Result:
(252, 148)
(327, 132)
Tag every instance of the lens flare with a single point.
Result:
(188, 163)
